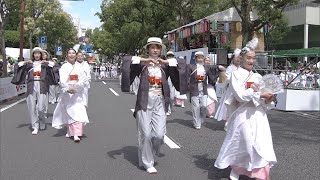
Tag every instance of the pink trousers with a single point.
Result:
(75, 129)
(259, 174)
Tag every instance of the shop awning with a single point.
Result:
(310, 52)
(227, 15)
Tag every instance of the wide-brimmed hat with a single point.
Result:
(48, 54)
(37, 49)
(155, 40)
(199, 53)
(170, 53)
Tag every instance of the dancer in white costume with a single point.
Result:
(222, 112)
(71, 111)
(212, 96)
(86, 69)
(247, 147)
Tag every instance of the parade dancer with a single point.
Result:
(222, 112)
(170, 55)
(54, 88)
(247, 147)
(86, 69)
(212, 96)
(39, 73)
(71, 110)
(102, 71)
(198, 75)
(152, 99)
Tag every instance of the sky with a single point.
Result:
(84, 10)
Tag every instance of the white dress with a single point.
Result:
(248, 142)
(86, 69)
(72, 106)
(222, 112)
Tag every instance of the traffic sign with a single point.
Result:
(43, 45)
(43, 40)
(59, 51)
(88, 48)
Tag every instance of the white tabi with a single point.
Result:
(222, 112)
(248, 142)
(71, 108)
(86, 69)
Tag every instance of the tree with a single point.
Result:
(268, 11)
(35, 10)
(58, 27)
(128, 23)
(7, 7)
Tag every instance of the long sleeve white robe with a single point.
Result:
(222, 111)
(72, 106)
(248, 142)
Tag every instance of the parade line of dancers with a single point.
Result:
(159, 82)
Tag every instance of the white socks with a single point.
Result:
(35, 131)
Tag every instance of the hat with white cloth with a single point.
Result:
(250, 46)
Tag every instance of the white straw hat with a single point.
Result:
(37, 49)
(155, 40)
(170, 53)
(199, 53)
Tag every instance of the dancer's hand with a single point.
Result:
(162, 61)
(268, 97)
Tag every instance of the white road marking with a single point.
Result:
(114, 92)
(104, 82)
(13, 104)
(170, 143)
(167, 140)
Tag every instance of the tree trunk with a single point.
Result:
(3, 51)
(30, 43)
(247, 29)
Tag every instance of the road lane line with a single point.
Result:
(13, 104)
(167, 140)
(104, 82)
(114, 92)
(170, 143)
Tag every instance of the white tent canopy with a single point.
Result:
(15, 52)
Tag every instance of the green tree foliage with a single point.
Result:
(269, 11)
(7, 8)
(35, 10)
(128, 23)
(58, 27)
(12, 38)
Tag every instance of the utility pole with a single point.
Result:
(21, 30)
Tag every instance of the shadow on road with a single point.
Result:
(187, 123)
(207, 164)
(129, 153)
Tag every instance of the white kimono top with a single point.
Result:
(72, 106)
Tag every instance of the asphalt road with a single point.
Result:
(108, 151)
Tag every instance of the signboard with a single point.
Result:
(88, 48)
(59, 51)
(8, 90)
(43, 42)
